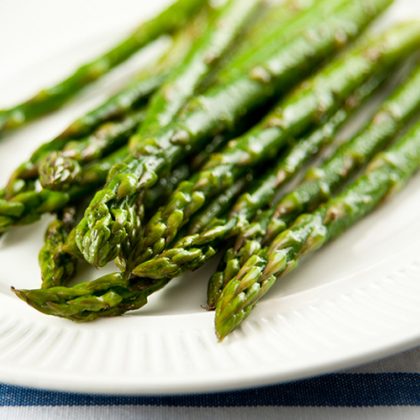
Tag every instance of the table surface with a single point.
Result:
(387, 389)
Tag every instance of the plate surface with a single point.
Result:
(355, 301)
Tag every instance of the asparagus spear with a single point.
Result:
(110, 295)
(186, 254)
(247, 244)
(267, 29)
(388, 172)
(185, 80)
(133, 96)
(115, 294)
(165, 186)
(293, 116)
(220, 107)
(209, 216)
(57, 266)
(182, 83)
(152, 199)
(168, 21)
(323, 181)
(206, 235)
(168, 182)
(286, 21)
(392, 115)
(59, 170)
(28, 206)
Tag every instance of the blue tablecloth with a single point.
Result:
(386, 389)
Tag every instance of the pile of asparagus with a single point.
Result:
(195, 156)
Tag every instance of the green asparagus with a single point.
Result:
(168, 21)
(286, 21)
(388, 172)
(153, 198)
(131, 97)
(324, 180)
(28, 206)
(206, 234)
(272, 24)
(192, 251)
(101, 233)
(114, 294)
(399, 108)
(57, 266)
(59, 170)
(110, 295)
(182, 83)
(248, 243)
(317, 99)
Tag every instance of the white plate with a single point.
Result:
(355, 301)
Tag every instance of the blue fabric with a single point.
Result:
(337, 390)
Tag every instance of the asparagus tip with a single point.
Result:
(57, 172)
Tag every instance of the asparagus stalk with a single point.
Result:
(28, 206)
(168, 21)
(110, 295)
(286, 21)
(209, 216)
(59, 170)
(186, 254)
(247, 244)
(206, 235)
(183, 83)
(388, 172)
(333, 173)
(115, 294)
(153, 198)
(133, 96)
(267, 29)
(219, 108)
(292, 117)
(57, 266)
(321, 182)
(167, 183)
